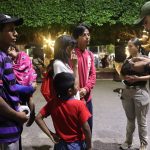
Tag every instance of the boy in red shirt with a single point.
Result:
(69, 117)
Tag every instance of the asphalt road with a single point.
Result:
(109, 121)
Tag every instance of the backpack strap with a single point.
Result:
(50, 69)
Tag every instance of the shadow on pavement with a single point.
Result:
(43, 147)
(98, 145)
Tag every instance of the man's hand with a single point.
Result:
(139, 64)
(136, 59)
(83, 92)
(22, 118)
(132, 78)
(54, 137)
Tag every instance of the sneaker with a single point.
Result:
(143, 147)
(125, 146)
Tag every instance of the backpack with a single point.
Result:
(47, 88)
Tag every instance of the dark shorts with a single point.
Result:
(78, 145)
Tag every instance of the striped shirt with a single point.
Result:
(9, 130)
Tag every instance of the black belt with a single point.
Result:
(135, 87)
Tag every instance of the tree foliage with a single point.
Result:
(110, 19)
(48, 13)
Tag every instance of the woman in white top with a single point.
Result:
(64, 56)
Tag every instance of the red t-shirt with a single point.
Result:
(68, 117)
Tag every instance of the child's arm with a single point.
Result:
(32, 114)
(41, 123)
(74, 60)
(25, 89)
(87, 133)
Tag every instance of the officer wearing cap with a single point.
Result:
(144, 20)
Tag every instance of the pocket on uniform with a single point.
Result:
(145, 110)
(145, 98)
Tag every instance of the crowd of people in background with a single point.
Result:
(74, 77)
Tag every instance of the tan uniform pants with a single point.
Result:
(136, 105)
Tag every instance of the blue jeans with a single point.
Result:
(78, 145)
(89, 105)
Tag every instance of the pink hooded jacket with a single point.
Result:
(87, 72)
(23, 69)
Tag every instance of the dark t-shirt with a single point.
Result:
(127, 70)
